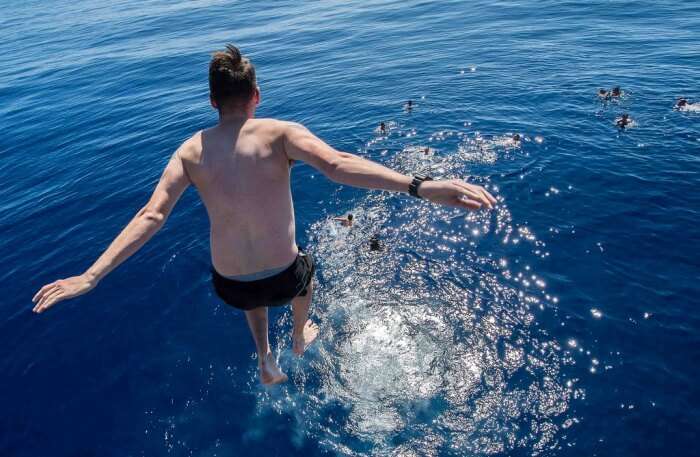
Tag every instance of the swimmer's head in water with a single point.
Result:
(350, 217)
(516, 137)
(232, 83)
(602, 92)
(616, 91)
(681, 102)
(624, 120)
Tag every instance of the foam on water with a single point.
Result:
(692, 108)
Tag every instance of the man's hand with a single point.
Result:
(62, 289)
(456, 193)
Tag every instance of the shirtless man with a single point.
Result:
(241, 169)
(345, 221)
(623, 121)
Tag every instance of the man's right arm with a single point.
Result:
(349, 169)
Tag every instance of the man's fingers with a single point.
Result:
(482, 196)
(473, 192)
(42, 291)
(468, 203)
(474, 196)
(54, 299)
(466, 190)
(48, 303)
(478, 193)
(491, 198)
(45, 298)
(48, 299)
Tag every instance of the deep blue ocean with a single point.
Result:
(563, 323)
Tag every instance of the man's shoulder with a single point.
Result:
(191, 149)
(272, 124)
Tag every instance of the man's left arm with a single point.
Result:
(142, 227)
(349, 169)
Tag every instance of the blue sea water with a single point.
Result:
(565, 322)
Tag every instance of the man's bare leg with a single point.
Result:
(304, 331)
(270, 373)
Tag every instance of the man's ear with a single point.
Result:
(213, 103)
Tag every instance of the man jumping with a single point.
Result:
(241, 169)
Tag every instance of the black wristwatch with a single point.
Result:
(415, 184)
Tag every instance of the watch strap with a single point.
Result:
(415, 184)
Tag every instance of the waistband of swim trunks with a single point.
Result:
(264, 274)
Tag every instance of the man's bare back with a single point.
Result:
(241, 171)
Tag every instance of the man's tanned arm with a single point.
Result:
(345, 168)
(142, 227)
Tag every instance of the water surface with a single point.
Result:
(565, 322)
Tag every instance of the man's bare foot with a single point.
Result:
(302, 341)
(270, 373)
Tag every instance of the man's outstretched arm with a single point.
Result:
(344, 168)
(142, 227)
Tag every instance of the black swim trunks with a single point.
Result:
(276, 290)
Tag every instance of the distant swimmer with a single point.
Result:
(624, 121)
(615, 92)
(345, 221)
(505, 141)
(409, 105)
(241, 169)
(515, 141)
(382, 128)
(424, 150)
(374, 243)
(683, 104)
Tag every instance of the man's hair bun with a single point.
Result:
(231, 77)
(235, 54)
